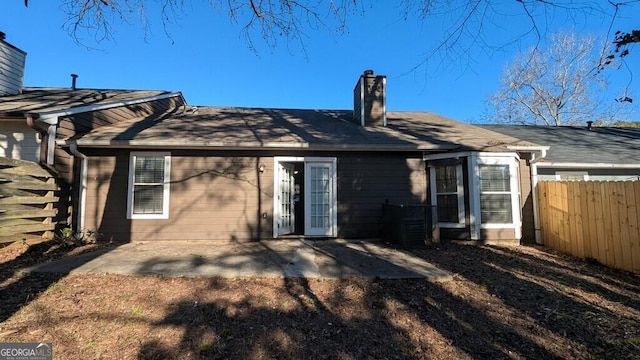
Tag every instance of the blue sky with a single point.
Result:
(207, 59)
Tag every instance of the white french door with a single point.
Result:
(320, 196)
(320, 202)
(286, 213)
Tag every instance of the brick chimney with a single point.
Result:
(370, 100)
(12, 62)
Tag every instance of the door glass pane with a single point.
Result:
(285, 198)
(320, 197)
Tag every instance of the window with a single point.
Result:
(448, 195)
(148, 196)
(495, 194)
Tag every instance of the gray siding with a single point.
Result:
(12, 62)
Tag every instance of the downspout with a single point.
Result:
(82, 195)
(44, 135)
(48, 140)
(534, 193)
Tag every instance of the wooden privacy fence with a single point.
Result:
(28, 200)
(593, 219)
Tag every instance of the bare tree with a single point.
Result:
(556, 85)
(466, 23)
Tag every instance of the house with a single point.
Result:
(241, 174)
(575, 153)
(32, 119)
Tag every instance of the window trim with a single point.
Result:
(166, 185)
(512, 160)
(459, 191)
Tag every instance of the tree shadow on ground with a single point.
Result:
(569, 298)
(522, 312)
(20, 284)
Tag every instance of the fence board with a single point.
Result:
(586, 224)
(624, 245)
(599, 220)
(635, 237)
(576, 209)
(28, 200)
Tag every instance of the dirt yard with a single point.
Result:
(504, 303)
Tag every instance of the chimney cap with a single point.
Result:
(368, 72)
(589, 124)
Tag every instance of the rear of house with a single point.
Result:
(242, 174)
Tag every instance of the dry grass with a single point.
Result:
(511, 303)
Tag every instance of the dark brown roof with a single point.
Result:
(50, 100)
(250, 128)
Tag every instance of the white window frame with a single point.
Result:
(166, 184)
(510, 159)
(459, 192)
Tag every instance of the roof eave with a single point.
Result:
(209, 145)
(556, 164)
(51, 117)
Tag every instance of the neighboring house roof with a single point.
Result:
(253, 128)
(576, 145)
(46, 100)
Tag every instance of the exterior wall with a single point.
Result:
(19, 141)
(366, 181)
(526, 202)
(497, 235)
(12, 62)
(218, 195)
(77, 124)
(213, 196)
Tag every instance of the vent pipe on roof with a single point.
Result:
(74, 77)
(589, 124)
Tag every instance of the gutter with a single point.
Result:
(552, 164)
(48, 138)
(211, 145)
(82, 194)
(534, 193)
(533, 163)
